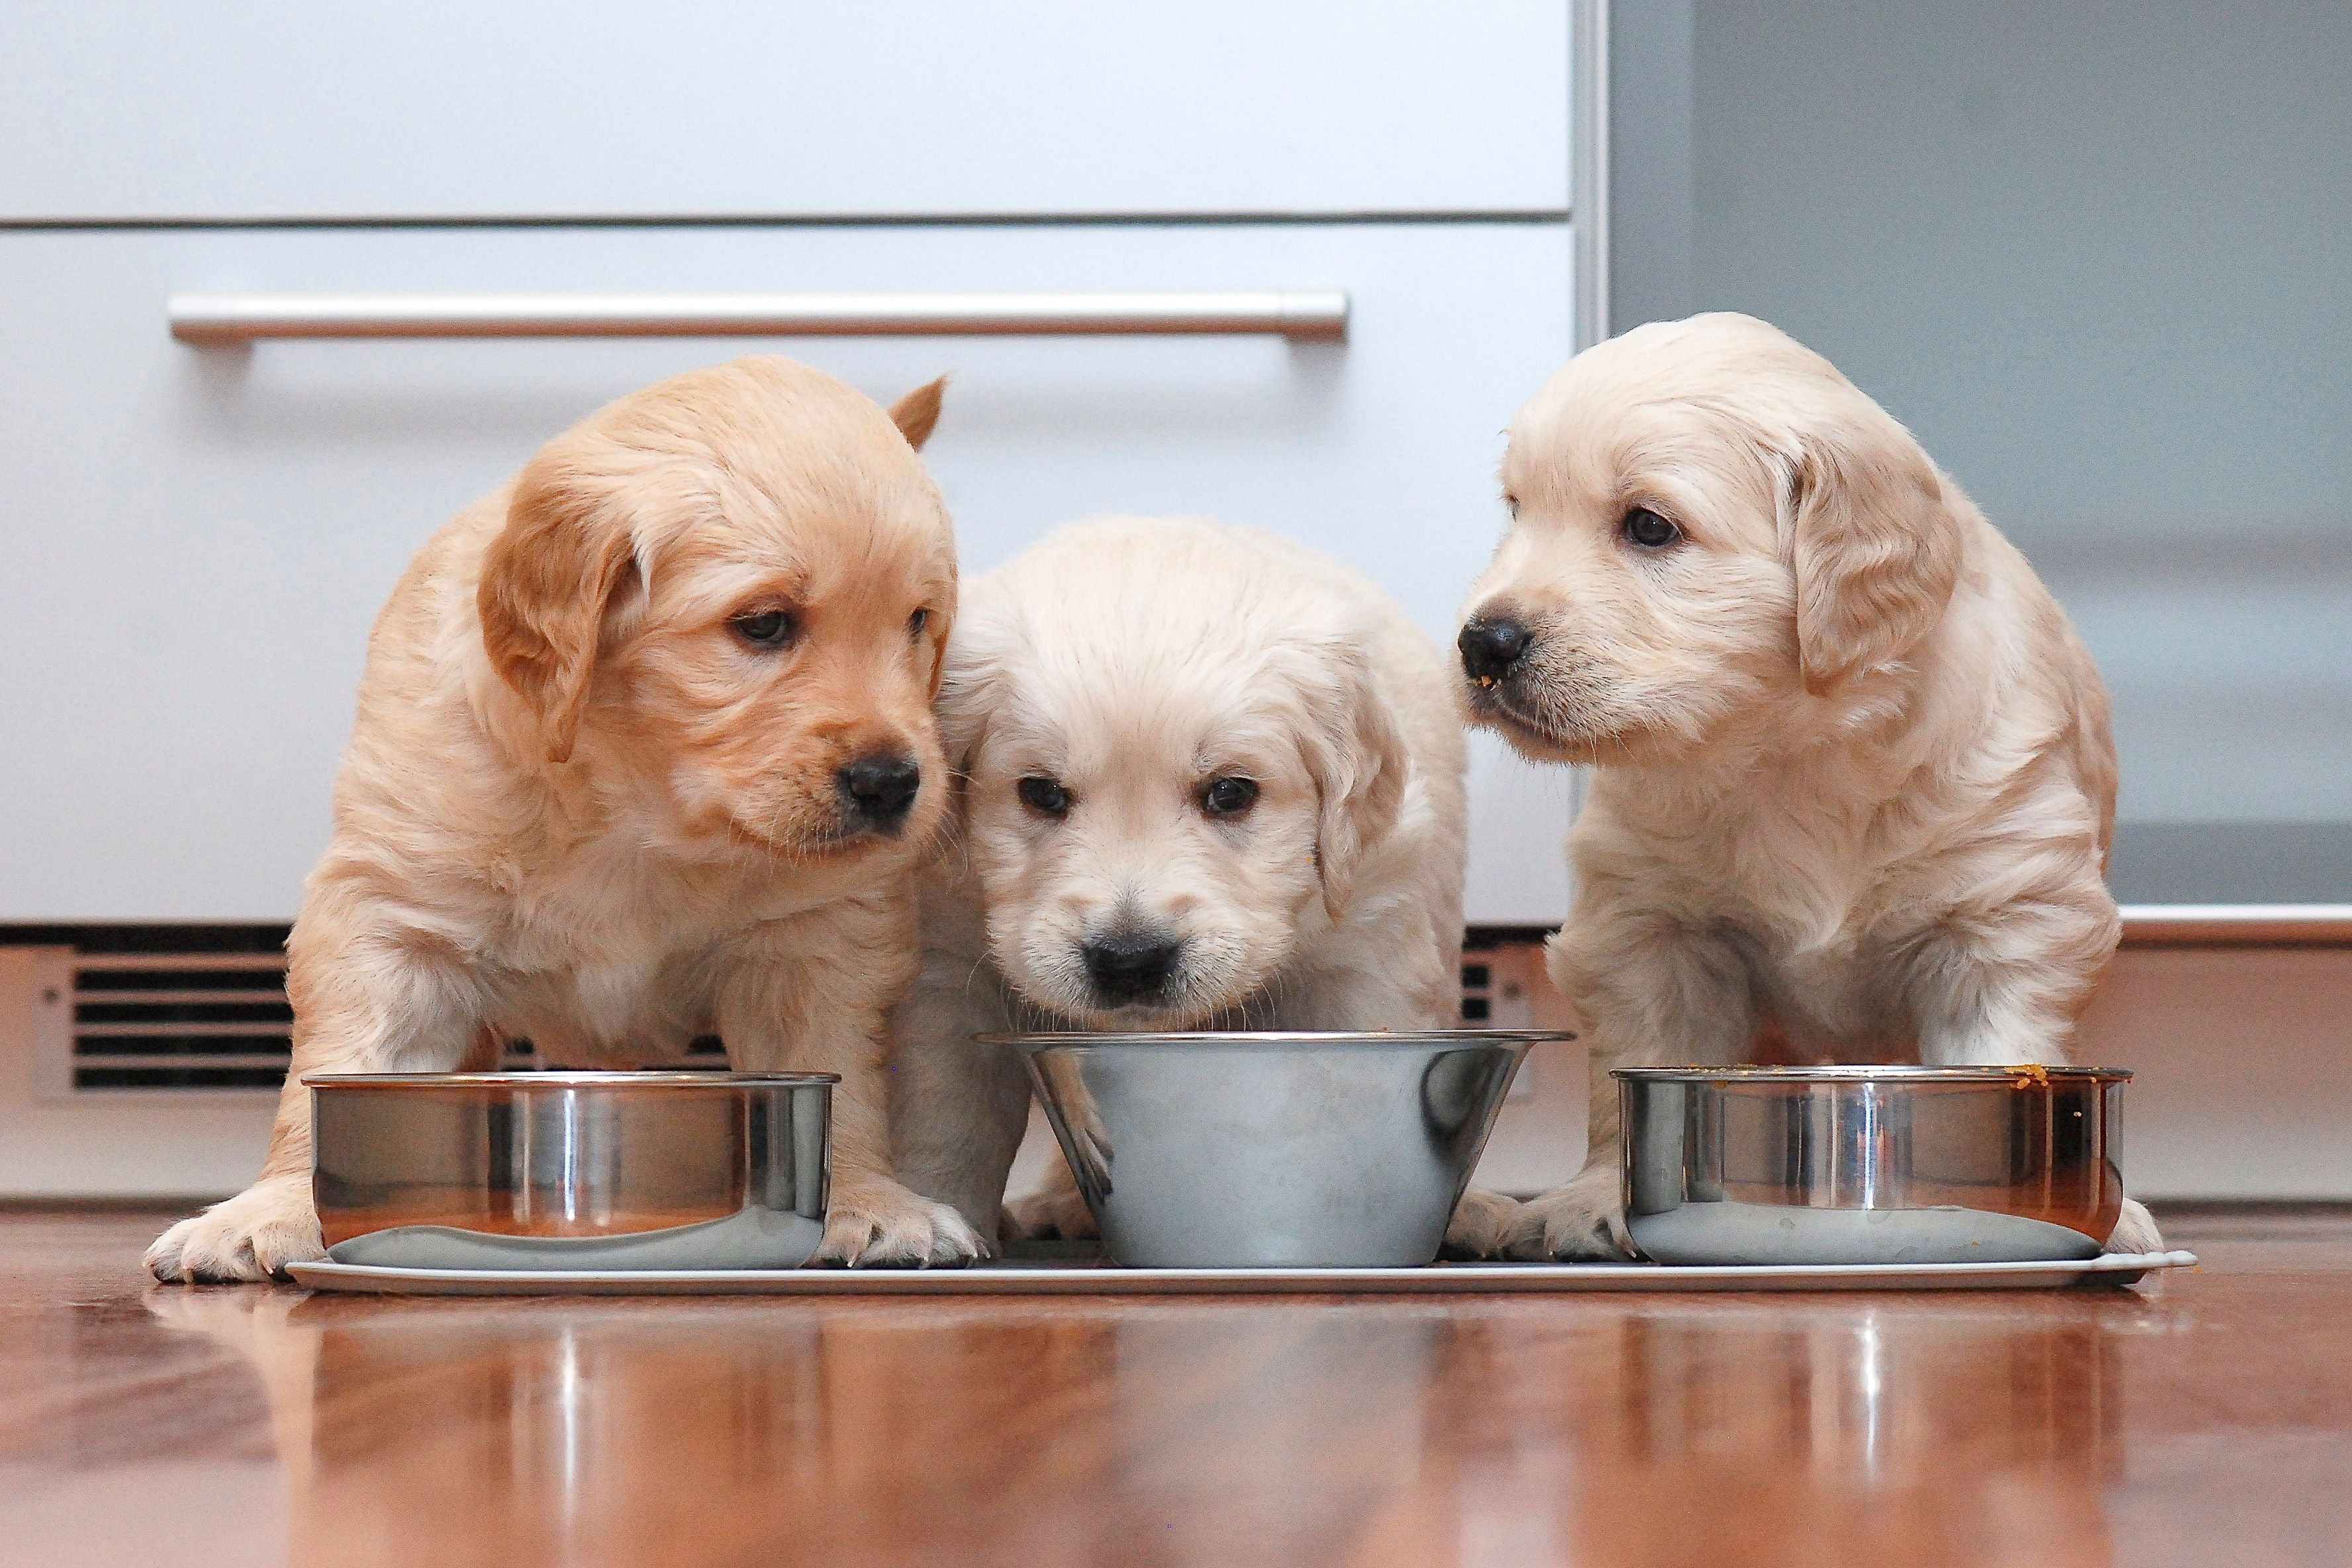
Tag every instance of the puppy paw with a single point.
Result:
(1480, 1222)
(1058, 1213)
(880, 1224)
(2135, 1231)
(253, 1236)
(1584, 1222)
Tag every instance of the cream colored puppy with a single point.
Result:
(1208, 779)
(644, 751)
(1853, 787)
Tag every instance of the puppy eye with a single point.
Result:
(1229, 797)
(1044, 796)
(1644, 528)
(768, 629)
(1512, 502)
(917, 622)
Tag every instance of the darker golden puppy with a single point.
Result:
(644, 751)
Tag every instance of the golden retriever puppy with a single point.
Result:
(645, 751)
(1853, 788)
(1208, 779)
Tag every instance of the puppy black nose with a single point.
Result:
(880, 789)
(1491, 644)
(1128, 966)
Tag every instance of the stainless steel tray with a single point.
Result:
(1050, 1277)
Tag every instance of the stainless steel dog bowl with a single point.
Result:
(565, 1170)
(1871, 1164)
(1272, 1150)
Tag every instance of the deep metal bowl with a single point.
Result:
(1272, 1150)
(571, 1169)
(1871, 1164)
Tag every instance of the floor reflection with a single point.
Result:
(1869, 1395)
(1821, 1430)
(611, 1432)
(1270, 1434)
(650, 1432)
(1749, 1430)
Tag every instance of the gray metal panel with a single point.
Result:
(2094, 256)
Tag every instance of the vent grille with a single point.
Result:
(1477, 994)
(180, 1021)
(218, 1021)
(1504, 986)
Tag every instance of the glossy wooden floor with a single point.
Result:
(2206, 1420)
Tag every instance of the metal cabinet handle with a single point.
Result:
(2237, 924)
(216, 319)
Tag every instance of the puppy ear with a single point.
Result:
(939, 668)
(546, 582)
(1874, 546)
(946, 618)
(917, 413)
(965, 683)
(1356, 757)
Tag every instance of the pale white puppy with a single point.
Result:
(1208, 778)
(1853, 787)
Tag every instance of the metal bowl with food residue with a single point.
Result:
(571, 1170)
(1871, 1164)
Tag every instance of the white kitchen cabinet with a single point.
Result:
(233, 111)
(196, 538)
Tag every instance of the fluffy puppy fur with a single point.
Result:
(644, 751)
(1207, 778)
(1853, 788)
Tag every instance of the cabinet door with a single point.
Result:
(234, 109)
(198, 538)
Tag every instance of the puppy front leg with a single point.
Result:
(381, 1001)
(1649, 994)
(2010, 998)
(958, 1108)
(2005, 995)
(815, 997)
(1059, 1208)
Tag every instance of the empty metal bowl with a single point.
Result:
(1272, 1150)
(571, 1170)
(1871, 1164)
